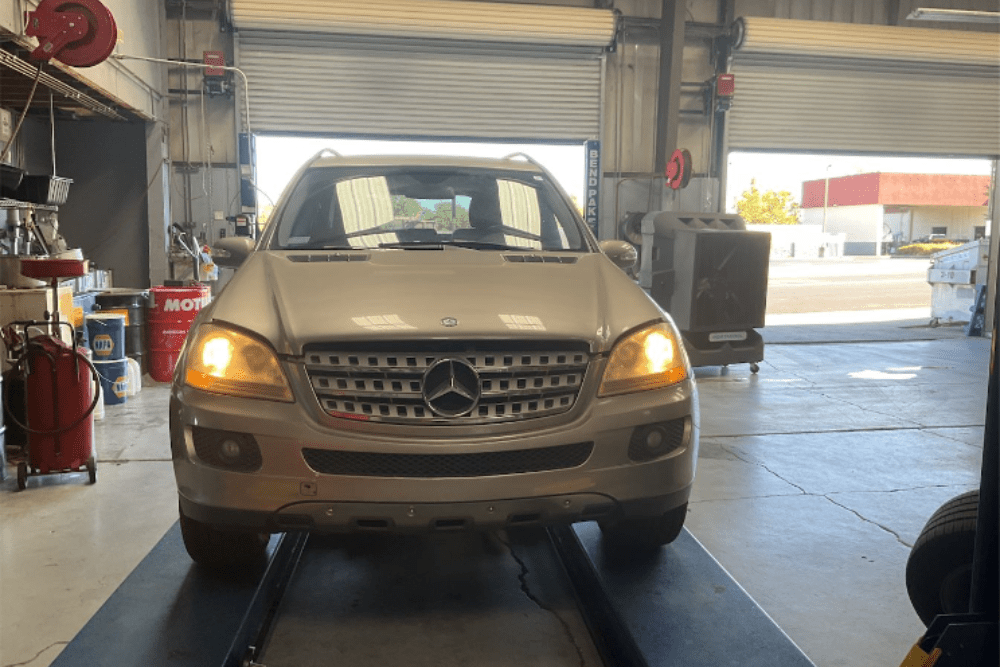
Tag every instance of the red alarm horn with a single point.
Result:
(81, 33)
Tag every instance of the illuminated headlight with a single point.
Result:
(226, 361)
(647, 359)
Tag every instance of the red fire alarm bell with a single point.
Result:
(725, 85)
(216, 60)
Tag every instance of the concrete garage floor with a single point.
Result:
(814, 478)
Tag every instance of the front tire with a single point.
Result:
(228, 551)
(644, 532)
(939, 569)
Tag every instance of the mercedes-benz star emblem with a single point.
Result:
(449, 322)
(451, 387)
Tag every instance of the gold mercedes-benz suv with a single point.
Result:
(424, 344)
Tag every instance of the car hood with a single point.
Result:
(293, 299)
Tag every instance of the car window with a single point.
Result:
(333, 207)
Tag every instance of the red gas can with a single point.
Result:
(170, 317)
(60, 390)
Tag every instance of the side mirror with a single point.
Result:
(622, 253)
(231, 251)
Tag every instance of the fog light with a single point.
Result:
(238, 452)
(230, 449)
(655, 440)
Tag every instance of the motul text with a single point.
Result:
(186, 305)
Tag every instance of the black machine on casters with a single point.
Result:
(710, 274)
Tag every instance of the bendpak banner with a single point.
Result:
(592, 193)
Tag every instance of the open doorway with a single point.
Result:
(864, 233)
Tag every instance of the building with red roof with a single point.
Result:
(877, 209)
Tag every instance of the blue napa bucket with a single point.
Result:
(106, 332)
(114, 380)
(85, 303)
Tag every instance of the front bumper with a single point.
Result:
(285, 493)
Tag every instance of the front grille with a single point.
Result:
(364, 464)
(386, 384)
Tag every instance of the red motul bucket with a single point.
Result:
(168, 321)
(59, 390)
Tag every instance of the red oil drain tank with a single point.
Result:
(60, 393)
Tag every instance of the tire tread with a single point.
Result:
(943, 547)
(221, 550)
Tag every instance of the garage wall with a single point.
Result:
(208, 133)
(632, 77)
(899, 224)
(960, 220)
(845, 11)
(135, 84)
(107, 213)
(630, 112)
(878, 12)
(859, 223)
(117, 209)
(631, 92)
(629, 104)
(819, 86)
(311, 83)
(202, 152)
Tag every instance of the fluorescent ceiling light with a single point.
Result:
(953, 15)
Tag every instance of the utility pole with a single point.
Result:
(826, 195)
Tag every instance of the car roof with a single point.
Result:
(513, 163)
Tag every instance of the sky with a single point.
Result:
(278, 158)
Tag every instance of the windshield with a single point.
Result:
(415, 207)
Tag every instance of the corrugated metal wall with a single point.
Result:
(804, 85)
(431, 19)
(434, 68)
(303, 84)
(630, 108)
(876, 12)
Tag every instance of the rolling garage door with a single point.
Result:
(423, 68)
(811, 85)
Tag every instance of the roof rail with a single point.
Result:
(326, 152)
(527, 158)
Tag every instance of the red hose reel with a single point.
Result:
(81, 33)
(678, 170)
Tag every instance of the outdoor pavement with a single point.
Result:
(912, 324)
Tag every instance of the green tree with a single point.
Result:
(442, 218)
(405, 208)
(767, 208)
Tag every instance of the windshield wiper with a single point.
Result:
(483, 245)
(439, 245)
(319, 247)
(413, 245)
